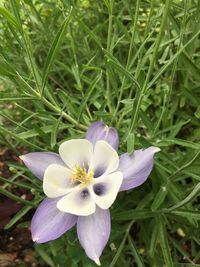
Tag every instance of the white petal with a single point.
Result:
(76, 151)
(56, 181)
(106, 188)
(77, 202)
(106, 159)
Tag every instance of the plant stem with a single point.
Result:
(110, 20)
(143, 91)
(128, 58)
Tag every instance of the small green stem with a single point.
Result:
(112, 264)
(133, 33)
(129, 57)
(110, 21)
(27, 43)
(144, 88)
(15, 198)
(64, 114)
(175, 62)
(149, 18)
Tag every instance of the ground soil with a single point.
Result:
(16, 246)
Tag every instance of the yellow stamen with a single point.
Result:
(81, 175)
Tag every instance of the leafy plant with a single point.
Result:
(132, 64)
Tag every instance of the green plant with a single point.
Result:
(132, 64)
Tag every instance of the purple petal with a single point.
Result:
(137, 167)
(100, 131)
(93, 233)
(37, 162)
(49, 223)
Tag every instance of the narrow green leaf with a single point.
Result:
(119, 251)
(164, 243)
(16, 137)
(180, 142)
(159, 198)
(54, 49)
(90, 33)
(43, 254)
(194, 192)
(117, 65)
(45, 129)
(130, 143)
(135, 214)
(15, 198)
(55, 129)
(156, 77)
(186, 214)
(154, 239)
(17, 217)
(23, 185)
(135, 253)
(9, 17)
(89, 93)
(192, 68)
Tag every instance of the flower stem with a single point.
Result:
(128, 58)
(110, 21)
(63, 113)
(154, 56)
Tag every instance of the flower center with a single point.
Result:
(81, 175)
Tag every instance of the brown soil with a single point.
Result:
(16, 246)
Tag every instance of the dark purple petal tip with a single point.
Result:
(37, 162)
(100, 131)
(137, 167)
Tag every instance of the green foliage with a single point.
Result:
(134, 65)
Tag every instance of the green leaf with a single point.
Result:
(192, 68)
(45, 129)
(17, 137)
(54, 49)
(90, 33)
(17, 217)
(119, 251)
(117, 65)
(135, 253)
(54, 131)
(194, 192)
(130, 143)
(135, 215)
(180, 142)
(41, 250)
(164, 243)
(186, 214)
(156, 77)
(89, 93)
(159, 198)
(16, 198)
(10, 18)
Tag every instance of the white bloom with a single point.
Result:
(90, 177)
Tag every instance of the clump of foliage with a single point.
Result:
(134, 65)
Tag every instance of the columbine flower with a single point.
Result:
(81, 183)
